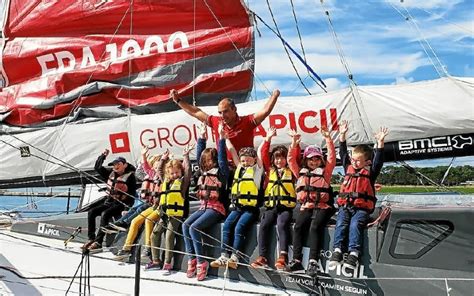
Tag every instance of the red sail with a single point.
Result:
(61, 56)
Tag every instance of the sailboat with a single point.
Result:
(81, 76)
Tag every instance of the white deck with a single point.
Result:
(37, 257)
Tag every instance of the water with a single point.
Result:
(33, 207)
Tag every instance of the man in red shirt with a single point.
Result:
(239, 128)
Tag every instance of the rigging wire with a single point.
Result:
(421, 176)
(301, 45)
(447, 170)
(355, 90)
(286, 50)
(423, 46)
(467, 30)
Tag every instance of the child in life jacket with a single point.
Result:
(244, 207)
(279, 201)
(356, 198)
(147, 216)
(149, 165)
(173, 206)
(211, 189)
(314, 194)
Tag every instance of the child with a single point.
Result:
(148, 215)
(149, 166)
(211, 189)
(244, 204)
(357, 195)
(314, 194)
(173, 206)
(280, 199)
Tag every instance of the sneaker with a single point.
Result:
(295, 266)
(123, 254)
(120, 226)
(233, 261)
(202, 270)
(351, 261)
(335, 260)
(220, 262)
(191, 272)
(167, 268)
(153, 266)
(280, 264)
(260, 262)
(312, 270)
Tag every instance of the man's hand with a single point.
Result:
(106, 152)
(174, 95)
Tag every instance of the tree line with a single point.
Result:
(397, 175)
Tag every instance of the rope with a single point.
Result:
(355, 90)
(467, 30)
(286, 50)
(412, 23)
(301, 44)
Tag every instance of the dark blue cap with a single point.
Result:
(117, 160)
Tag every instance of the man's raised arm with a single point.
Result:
(188, 108)
(267, 109)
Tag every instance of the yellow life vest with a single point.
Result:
(171, 199)
(244, 191)
(280, 190)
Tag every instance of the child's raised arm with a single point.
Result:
(201, 143)
(293, 152)
(380, 136)
(222, 152)
(331, 156)
(263, 151)
(233, 152)
(161, 165)
(187, 164)
(343, 145)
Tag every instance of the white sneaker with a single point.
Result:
(220, 262)
(233, 261)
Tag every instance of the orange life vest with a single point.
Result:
(356, 190)
(117, 188)
(312, 189)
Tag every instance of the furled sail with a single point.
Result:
(96, 59)
(429, 119)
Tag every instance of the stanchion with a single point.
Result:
(137, 269)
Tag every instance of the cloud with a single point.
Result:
(403, 80)
(426, 4)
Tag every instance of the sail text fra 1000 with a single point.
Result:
(64, 61)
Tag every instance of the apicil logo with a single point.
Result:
(119, 142)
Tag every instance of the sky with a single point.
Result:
(379, 45)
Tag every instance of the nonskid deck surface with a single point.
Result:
(32, 265)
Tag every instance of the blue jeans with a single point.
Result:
(133, 212)
(354, 220)
(236, 223)
(193, 228)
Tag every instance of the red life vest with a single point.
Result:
(356, 190)
(117, 187)
(156, 190)
(208, 185)
(312, 190)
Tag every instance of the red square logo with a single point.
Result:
(119, 142)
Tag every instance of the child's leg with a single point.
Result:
(357, 225)
(245, 221)
(209, 218)
(173, 226)
(283, 227)
(342, 226)
(302, 221)
(137, 222)
(149, 224)
(156, 240)
(127, 218)
(318, 224)
(188, 241)
(227, 230)
(268, 220)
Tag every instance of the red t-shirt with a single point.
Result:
(240, 135)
